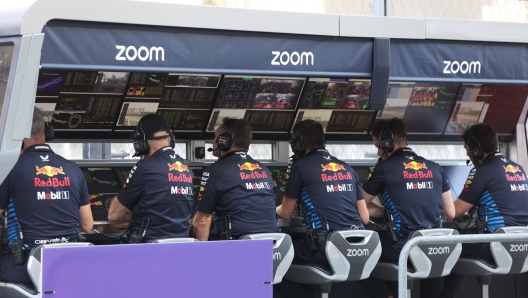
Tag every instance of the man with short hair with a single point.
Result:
(236, 187)
(415, 191)
(497, 186)
(159, 191)
(46, 199)
(328, 188)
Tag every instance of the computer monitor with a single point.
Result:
(457, 176)
(102, 186)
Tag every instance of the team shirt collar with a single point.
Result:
(402, 151)
(241, 153)
(39, 148)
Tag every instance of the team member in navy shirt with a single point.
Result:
(46, 198)
(413, 189)
(497, 186)
(237, 187)
(329, 191)
(159, 190)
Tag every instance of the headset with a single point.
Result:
(49, 131)
(141, 145)
(386, 142)
(297, 146)
(225, 140)
(474, 152)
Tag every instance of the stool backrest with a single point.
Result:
(434, 260)
(34, 265)
(511, 257)
(174, 240)
(282, 252)
(353, 254)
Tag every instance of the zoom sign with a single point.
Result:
(285, 58)
(462, 67)
(143, 53)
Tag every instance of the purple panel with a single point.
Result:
(199, 269)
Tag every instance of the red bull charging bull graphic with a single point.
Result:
(334, 167)
(247, 166)
(49, 171)
(178, 166)
(415, 165)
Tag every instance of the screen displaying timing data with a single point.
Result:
(328, 93)
(266, 121)
(339, 121)
(499, 106)
(457, 176)
(102, 186)
(426, 107)
(81, 101)
(189, 91)
(280, 178)
(248, 92)
(183, 100)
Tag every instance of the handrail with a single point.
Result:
(402, 262)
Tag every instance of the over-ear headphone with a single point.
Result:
(225, 140)
(474, 150)
(386, 142)
(141, 145)
(49, 130)
(297, 146)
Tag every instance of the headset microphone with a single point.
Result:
(468, 162)
(211, 149)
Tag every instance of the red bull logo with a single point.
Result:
(466, 186)
(511, 169)
(415, 165)
(178, 166)
(247, 166)
(334, 167)
(49, 171)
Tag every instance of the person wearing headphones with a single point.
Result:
(328, 189)
(158, 195)
(497, 187)
(46, 199)
(236, 187)
(415, 192)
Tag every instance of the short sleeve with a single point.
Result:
(474, 188)
(445, 181)
(358, 188)
(210, 190)
(129, 196)
(85, 200)
(376, 181)
(295, 183)
(4, 193)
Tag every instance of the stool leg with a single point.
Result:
(325, 290)
(485, 291)
(484, 281)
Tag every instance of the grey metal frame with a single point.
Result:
(402, 262)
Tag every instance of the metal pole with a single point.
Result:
(402, 262)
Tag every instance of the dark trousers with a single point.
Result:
(303, 255)
(390, 253)
(453, 282)
(11, 272)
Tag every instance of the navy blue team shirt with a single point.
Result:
(160, 189)
(411, 188)
(42, 195)
(239, 186)
(500, 190)
(328, 189)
